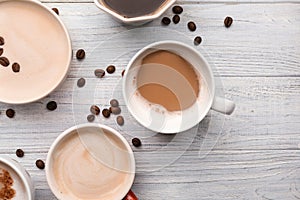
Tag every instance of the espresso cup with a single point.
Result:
(22, 184)
(91, 161)
(155, 117)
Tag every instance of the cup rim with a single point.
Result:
(18, 170)
(30, 100)
(82, 126)
(153, 45)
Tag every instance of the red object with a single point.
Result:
(130, 196)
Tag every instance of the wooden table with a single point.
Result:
(252, 154)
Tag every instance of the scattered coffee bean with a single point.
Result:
(177, 9)
(80, 54)
(228, 21)
(1, 51)
(192, 26)
(20, 153)
(111, 69)
(136, 142)
(95, 110)
(90, 118)
(114, 103)
(52, 105)
(2, 42)
(115, 110)
(10, 113)
(120, 120)
(197, 40)
(99, 73)
(106, 113)
(165, 21)
(81, 82)
(40, 164)
(4, 61)
(55, 10)
(16, 67)
(176, 19)
(123, 72)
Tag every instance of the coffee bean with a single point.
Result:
(20, 153)
(228, 21)
(51, 105)
(4, 61)
(123, 72)
(55, 10)
(136, 142)
(111, 69)
(1, 51)
(114, 103)
(106, 113)
(40, 164)
(115, 110)
(81, 82)
(99, 73)
(90, 118)
(16, 67)
(95, 110)
(10, 113)
(192, 26)
(176, 19)
(2, 42)
(177, 9)
(197, 40)
(80, 54)
(120, 120)
(166, 21)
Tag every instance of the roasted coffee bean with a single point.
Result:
(90, 118)
(120, 120)
(197, 40)
(111, 69)
(80, 54)
(95, 110)
(1, 51)
(123, 72)
(16, 67)
(52, 105)
(20, 153)
(10, 113)
(55, 10)
(4, 61)
(106, 113)
(115, 110)
(136, 142)
(81, 82)
(114, 103)
(177, 9)
(40, 164)
(165, 21)
(2, 42)
(192, 26)
(176, 19)
(228, 21)
(99, 73)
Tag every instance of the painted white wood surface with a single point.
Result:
(253, 154)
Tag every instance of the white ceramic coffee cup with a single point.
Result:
(23, 176)
(91, 146)
(166, 122)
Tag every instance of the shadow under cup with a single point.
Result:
(155, 117)
(90, 161)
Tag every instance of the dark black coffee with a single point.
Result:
(134, 8)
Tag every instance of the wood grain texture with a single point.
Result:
(253, 154)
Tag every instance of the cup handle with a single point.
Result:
(222, 105)
(130, 196)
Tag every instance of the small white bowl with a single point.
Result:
(136, 21)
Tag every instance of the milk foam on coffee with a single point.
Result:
(165, 78)
(91, 165)
(17, 186)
